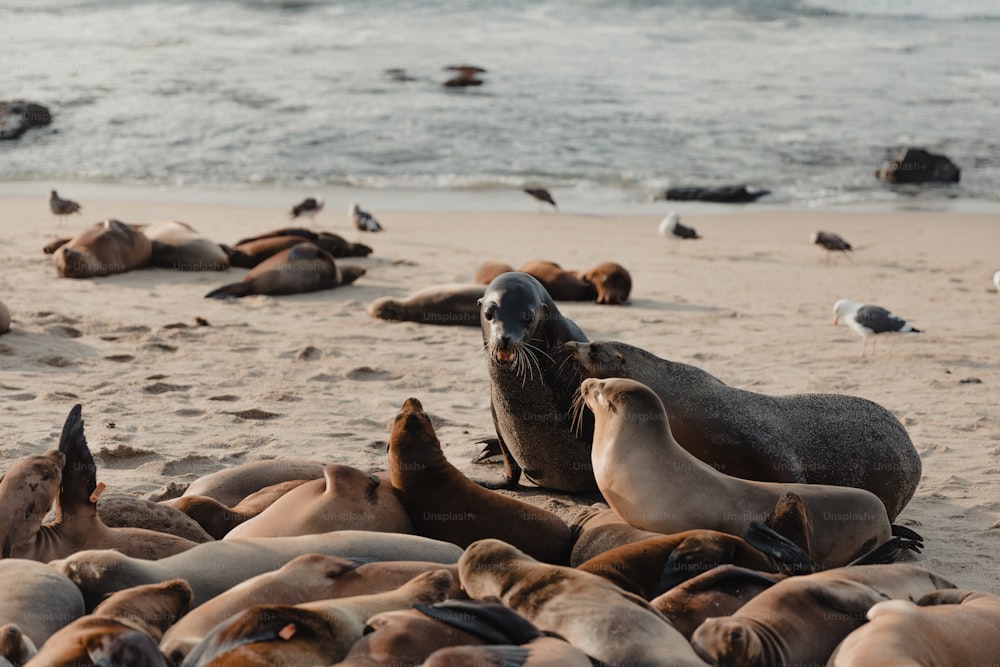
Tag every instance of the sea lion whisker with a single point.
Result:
(538, 349)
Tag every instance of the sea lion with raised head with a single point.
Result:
(302, 268)
(803, 438)
(454, 304)
(446, 505)
(531, 392)
(102, 249)
(634, 451)
(310, 633)
(346, 498)
(589, 612)
(802, 619)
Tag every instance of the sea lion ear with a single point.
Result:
(479, 302)
(619, 356)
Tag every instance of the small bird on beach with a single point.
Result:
(996, 281)
(831, 242)
(869, 321)
(466, 76)
(62, 207)
(364, 220)
(307, 208)
(542, 195)
(671, 228)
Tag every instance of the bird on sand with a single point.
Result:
(466, 76)
(831, 242)
(307, 208)
(869, 321)
(62, 207)
(542, 195)
(671, 228)
(364, 220)
(996, 281)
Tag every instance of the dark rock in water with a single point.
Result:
(915, 165)
(18, 116)
(727, 194)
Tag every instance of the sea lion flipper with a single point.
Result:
(237, 290)
(491, 449)
(903, 531)
(778, 547)
(55, 245)
(888, 552)
(79, 471)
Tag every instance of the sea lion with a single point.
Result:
(487, 271)
(561, 285)
(612, 282)
(531, 393)
(217, 519)
(589, 612)
(802, 619)
(717, 592)
(249, 252)
(947, 628)
(311, 633)
(303, 579)
(5, 318)
(541, 652)
(102, 249)
(634, 451)
(214, 567)
(346, 498)
(176, 245)
(302, 268)
(455, 304)
(597, 529)
(123, 630)
(231, 485)
(803, 438)
(120, 510)
(37, 598)
(446, 505)
(16, 648)
(651, 567)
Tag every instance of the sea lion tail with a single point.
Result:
(236, 290)
(788, 555)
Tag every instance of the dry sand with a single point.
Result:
(750, 303)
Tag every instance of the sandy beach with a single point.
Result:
(751, 303)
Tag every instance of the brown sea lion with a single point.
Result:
(16, 648)
(5, 318)
(612, 282)
(531, 392)
(123, 630)
(37, 598)
(717, 592)
(104, 248)
(231, 485)
(450, 304)
(589, 612)
(250, 252)
(214, 567)
(346, 498)
(446, 505)
(303, 579)
(634, 451)
(121, 510)
(651, 567)
(176, 245)
(217, 519)
(597, 529)
(562, 285)
(69, 478)
(299, 269)
(802, 619)
(947, 628)
(803, 438)
(311, 633)
(541, 652)
(487, 271)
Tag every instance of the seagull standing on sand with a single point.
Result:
(996, 281)
(831, 242)
(542, 195)
(869, 321)
(62, 207)
(307, 208)
(364, 220)
(671, 228)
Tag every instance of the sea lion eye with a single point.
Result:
(490, 312)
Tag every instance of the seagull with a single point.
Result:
(307, 208)
(996, 281)
(832, 242)
(869, 321)
(62, 207)
(364, 220)
(542, 195)
(671, 228)
(466, 76)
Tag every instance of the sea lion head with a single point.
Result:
(612, 282)
(597, 360)
(27, 491)
(486, 564)
(728, 641)
(15, 646)
(151, 608)
(98, 572)
(622, 399)
(75, 262)
(412, 431)
(510, 311)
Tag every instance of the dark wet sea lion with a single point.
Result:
(302, 268)
(451, 304)
(531, 392)
(803, 438)
(104, 248)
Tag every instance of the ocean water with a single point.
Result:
(601, 100)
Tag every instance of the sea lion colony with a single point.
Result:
(327, 564)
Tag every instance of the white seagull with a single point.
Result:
(996, 281)
(671, 228)
(307, 208)
(869, 321)
(364, 220)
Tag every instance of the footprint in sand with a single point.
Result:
(120, 358)
(189, 412)
(163, 387)
(56, 361)
(368, 374)
(253, 413)
(21, 397)
(64, 331)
